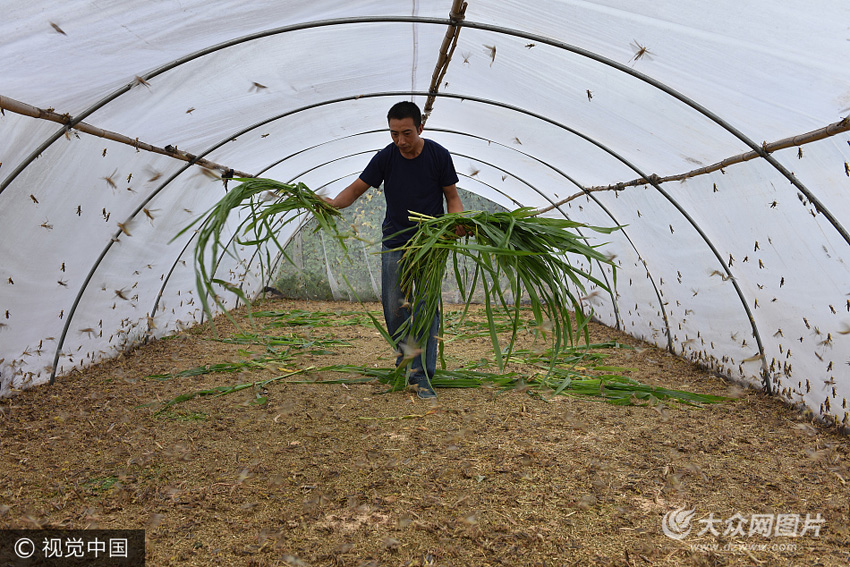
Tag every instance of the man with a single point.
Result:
(417, 174)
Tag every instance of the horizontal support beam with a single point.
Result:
(785, 143)
(50, 114)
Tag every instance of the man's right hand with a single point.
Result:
(461, 231)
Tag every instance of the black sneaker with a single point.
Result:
(422, 386)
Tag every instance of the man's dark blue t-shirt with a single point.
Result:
(410, 185)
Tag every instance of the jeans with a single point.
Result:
(397, 311)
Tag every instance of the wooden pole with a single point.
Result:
(457, 14)
(24, 109)
(800, 140)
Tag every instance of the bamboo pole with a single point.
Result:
(447, 49)
(50, 114)
(799, 140)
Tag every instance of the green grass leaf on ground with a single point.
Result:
(613, 389)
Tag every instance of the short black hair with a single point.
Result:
(405, 109)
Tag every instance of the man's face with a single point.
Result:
(405, 134)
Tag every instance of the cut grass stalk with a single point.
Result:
(291, 341)
(254, 363)
(302, 318)
(224, 390)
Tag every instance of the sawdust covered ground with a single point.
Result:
(343, 475)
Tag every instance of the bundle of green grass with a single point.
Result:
(516, 254)
(268, 205)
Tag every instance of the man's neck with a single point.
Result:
(416, 151)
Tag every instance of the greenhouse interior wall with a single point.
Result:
(715, 134)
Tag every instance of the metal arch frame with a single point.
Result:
(667, 330)
(228, 139)
(665, 194)
(757, 148)
(166, 278)
(365, 132)
(371, 151)
(84, 286)
(614, 302)
(474, 25)
(459, 23)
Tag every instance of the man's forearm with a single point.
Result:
(454, 205)
(453, 202)
(349, 194)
